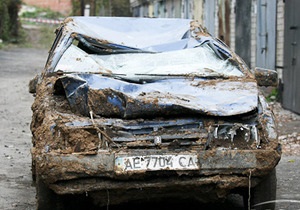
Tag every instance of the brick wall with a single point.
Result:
(62, 6)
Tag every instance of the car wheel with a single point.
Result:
(47, 199)
(265, 191)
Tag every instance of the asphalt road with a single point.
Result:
(17, 67)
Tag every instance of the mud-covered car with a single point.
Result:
(129, 109)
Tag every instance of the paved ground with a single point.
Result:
(19, 65)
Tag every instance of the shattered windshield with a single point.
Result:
(200, 61)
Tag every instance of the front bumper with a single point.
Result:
(78, 173)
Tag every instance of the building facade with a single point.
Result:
(255, 29)
(232, 21)
(62, 6)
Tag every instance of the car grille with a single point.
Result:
(181, 132)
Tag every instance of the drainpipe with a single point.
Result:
(82, 7)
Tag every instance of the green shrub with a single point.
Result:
(9, 23)
(4, 20)
(273, 96)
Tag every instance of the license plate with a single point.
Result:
(156, 162)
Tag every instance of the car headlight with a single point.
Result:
(236, 134)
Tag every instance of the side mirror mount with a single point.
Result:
(266, 77)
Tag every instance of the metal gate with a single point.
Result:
(266, 34)
(243, 30)
(291, 71)
(209, 16)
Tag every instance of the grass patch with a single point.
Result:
(273, 96)
(47, 36)
(38, 36)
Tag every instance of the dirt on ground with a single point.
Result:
(19, 65)
(288, 129)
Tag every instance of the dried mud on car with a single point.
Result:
(121, 115)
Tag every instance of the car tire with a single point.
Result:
(265, 191)
(46, 198)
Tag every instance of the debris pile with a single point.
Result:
(288, 126)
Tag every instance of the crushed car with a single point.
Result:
(128, 106)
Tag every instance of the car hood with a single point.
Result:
(114, 97)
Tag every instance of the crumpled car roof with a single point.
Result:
(141, 33)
